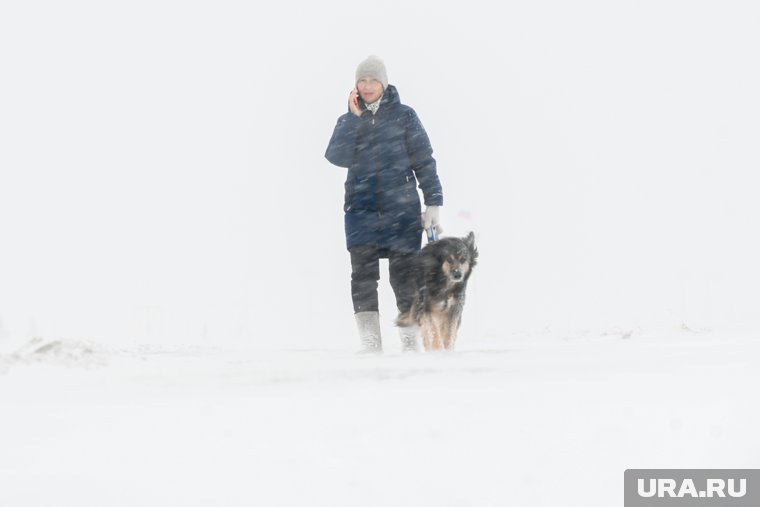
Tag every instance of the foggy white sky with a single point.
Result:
(162, 174)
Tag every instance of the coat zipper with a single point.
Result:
(377, 180)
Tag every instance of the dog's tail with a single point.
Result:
(405, 319)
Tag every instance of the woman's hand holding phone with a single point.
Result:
(353, 102)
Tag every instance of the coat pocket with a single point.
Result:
(410, 187)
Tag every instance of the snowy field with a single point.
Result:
(541, 421)
(176, 325)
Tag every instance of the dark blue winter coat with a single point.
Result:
(386, 154)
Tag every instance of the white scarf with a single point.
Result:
(375, 105)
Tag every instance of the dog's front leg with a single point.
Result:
(449, 334)
(454, 318)
(439, 331)
(426, 331)
(452, 338)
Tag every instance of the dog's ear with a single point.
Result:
(470, 242)
(428, 262)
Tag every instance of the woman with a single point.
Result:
(387, 152)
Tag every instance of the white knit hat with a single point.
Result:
(372, 67)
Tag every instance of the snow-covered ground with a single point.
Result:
(530, 421)
(162, 182)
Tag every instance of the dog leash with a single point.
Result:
(432, 233)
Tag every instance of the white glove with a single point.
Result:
(431, 217)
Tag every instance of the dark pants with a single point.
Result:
(365, 272)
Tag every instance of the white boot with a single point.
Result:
(408, 335)
(369, 331)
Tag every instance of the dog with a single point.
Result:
(440, 272)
